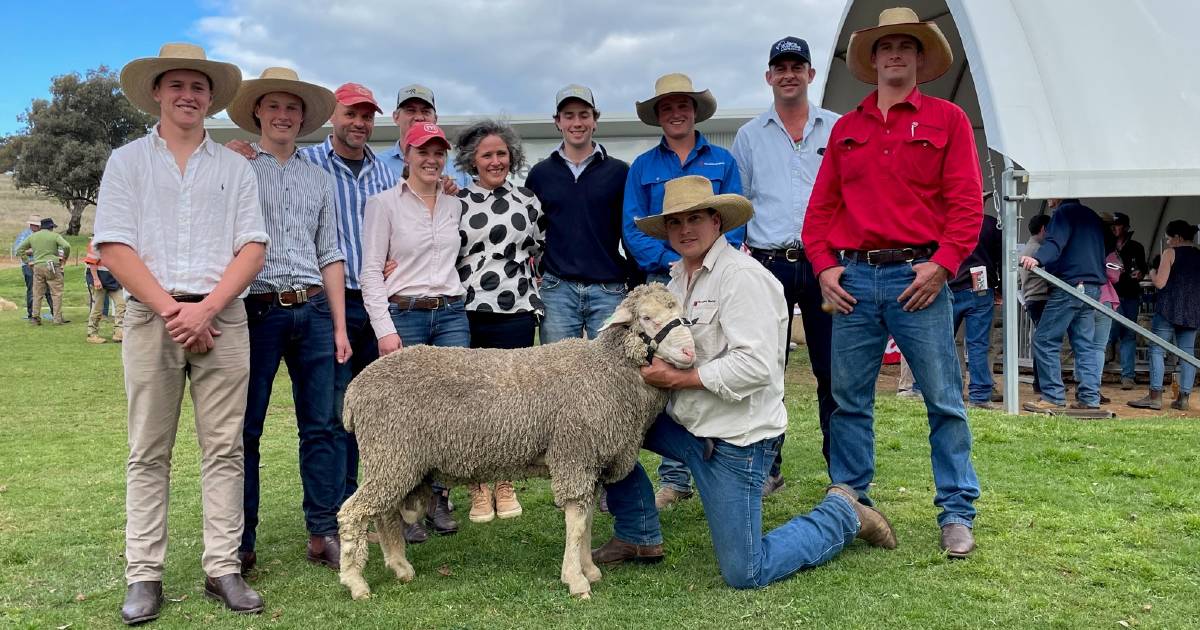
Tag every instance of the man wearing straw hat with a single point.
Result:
(726, 416)
(778, 154)
(47, 253)
(677, 107)
(33, 224)
(895, 210)
(296, 307)
(178, 223)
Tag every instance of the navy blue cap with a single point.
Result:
(790, 46)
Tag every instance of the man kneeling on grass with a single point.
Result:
(726, 416)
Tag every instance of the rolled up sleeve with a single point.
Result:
(249, 224)
(745, 366)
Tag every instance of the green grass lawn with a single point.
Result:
(1081, 525)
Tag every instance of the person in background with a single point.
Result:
(48, 252)
(415, 104)
(104, 287)
(32, 225)
(1033, 287)
(1176, 313)
(502, 231)
(1129, 290)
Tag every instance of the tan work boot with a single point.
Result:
(1153, 400)
(481, 503)
(507, 505)
(873, 526)
(118, 337)
(96, 339)
(668, 496)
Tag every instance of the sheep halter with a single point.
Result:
(652, 343)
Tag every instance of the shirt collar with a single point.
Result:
(701, 142)
(258, 149)
(597, 152)
(871, 102)
(206, 144)
(480, 190)
(327, 149)
(815, 115)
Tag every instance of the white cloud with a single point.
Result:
(511, 56)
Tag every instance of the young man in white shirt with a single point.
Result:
(178, 224)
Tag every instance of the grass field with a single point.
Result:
(1081, 525)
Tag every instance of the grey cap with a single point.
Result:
(416, 91)
(574, 91)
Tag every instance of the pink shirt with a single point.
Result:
(398, 226)
(1112, 269)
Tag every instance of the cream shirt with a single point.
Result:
(740, 328)
(186, 227)
(398, 226)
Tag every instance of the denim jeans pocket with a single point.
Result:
(257, 311)
(549, 282)
(741, 455)
(320, 303)
(613, 288)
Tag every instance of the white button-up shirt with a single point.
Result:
(186, 227)
(740, 328)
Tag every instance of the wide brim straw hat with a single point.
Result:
(694, 192)
(318, 101)
(137, 77)
(899, 21)
(675, 83)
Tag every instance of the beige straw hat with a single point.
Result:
(899, 21)
(695, 192)
(137, 77)
(675, 83)
(318, 101)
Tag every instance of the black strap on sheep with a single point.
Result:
(652, 343)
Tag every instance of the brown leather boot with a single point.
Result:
(143, 601)
(617, 551)
(232, 591)
(1153, 400)
(957, 540)
(873, 526)
(325, 550)
(437, 515)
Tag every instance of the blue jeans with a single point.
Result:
(926, 338)
(976, 312)
(365, 349)
(1126, 339)
(730, 485)
(671, 473)
(1100, 336)
(446, 326)
(1066, 315)
(800, 287)
(573, 308)
(302, 336)
(1184, 338)
(1035, 309)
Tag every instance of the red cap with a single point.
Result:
(421, 133)
(353, 94)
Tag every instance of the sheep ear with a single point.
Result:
(621, 316)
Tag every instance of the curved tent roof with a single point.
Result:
(1094, 98)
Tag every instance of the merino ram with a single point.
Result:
(575, 411)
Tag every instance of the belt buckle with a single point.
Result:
(793, 254)
(871, 256)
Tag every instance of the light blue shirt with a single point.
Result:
(778, 174)
(25, 234)
(577, 169)
(394, 159)
(350, 198)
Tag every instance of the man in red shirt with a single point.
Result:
(895, 210)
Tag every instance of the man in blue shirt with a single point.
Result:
(778, 155)
(415, 103)
(35, 224)
(677, 107)
(1073, 250)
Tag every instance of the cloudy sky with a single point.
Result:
(501, 56)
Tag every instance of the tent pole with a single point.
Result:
(1008, 284)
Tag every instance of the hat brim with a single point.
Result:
(938, 56)
(137, 81)
(735, 211)
(706, 106)
(318, 103)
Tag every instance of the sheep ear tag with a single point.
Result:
(619, 317)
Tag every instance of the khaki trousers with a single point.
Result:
(155, 370)
(48, 279)
(118, 301)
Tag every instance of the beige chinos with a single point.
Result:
(155, 370)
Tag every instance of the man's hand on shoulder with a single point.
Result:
(242, 147)
(931, 277)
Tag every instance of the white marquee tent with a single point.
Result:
(1094, 99)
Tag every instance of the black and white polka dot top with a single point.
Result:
(500, 232)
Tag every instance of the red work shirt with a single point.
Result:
(912, 180)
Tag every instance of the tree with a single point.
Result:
(67, 140)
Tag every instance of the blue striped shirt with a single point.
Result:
(297, 205)
(778, 174)
(350, 198)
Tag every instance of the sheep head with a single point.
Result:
(647, 312)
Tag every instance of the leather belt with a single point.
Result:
(433, 303)
(288, 298)
(185, 298)
(790, 254)
(890, 256)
